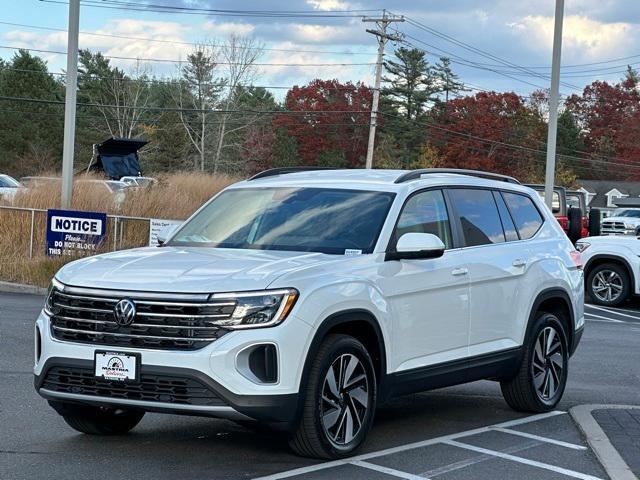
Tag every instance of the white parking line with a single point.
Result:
(409, 446)
(613, 312)
(525, 461)
(599, 318)
(387, 470)
(539, 438)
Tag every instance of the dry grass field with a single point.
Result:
(175, 197)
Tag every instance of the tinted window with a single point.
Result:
(296, 219)
(478, 216)
(510, 231)
(525, 214)
(425, 212)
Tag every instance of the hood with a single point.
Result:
(631, 220)
(186, 270)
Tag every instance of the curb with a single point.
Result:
(613, 463)
(9, 287)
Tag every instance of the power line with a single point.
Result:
(140, 59)
(479, 51)
(175, 109)
(176, 42)
(138, 7)
(505, 144)
(170, 81)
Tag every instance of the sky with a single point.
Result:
(502, 45)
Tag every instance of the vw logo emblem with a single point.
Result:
(124, 312)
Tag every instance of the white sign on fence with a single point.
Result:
(156, 225)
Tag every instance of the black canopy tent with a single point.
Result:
(117, 157)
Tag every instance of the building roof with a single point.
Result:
(598, 190)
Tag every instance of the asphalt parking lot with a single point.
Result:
(464, 432)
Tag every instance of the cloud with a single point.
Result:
(328, 4)
(591, 38)
(228, 28)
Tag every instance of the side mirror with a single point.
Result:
(166, 233)
(416, 246)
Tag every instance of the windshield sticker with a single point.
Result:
(350, 252)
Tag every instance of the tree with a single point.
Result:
(284, 151)
(411, 82)
(197, 97)
(609, 116)
(328, 116)
(478, 128)
(239, 55)
(410, 86)
(30, 132)
(449, 82)
(120, 98)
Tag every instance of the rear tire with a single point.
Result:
(99, 420)
(541, 379)
(339, 400)
(608, 284)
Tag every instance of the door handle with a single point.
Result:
(459, 271)
(519, 263)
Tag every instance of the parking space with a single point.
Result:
(504, 450)
(629, 313)
(464, 432)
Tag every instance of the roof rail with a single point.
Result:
(284, 170)
(416, 174)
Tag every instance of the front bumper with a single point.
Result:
(215, 369)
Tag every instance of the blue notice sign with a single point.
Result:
(70, 232)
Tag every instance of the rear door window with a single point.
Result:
(510, 231)
(525, 214)
(478, 215)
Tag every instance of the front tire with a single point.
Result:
(99, 420)
(541, 379)
(608, 284)
(339, 400)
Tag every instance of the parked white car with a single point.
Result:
(308, 298)
(623, 221)
(139, 181)
(611, 266)
(9, 186)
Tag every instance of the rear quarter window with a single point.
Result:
(525, 214)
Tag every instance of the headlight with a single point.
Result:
(582, 246)
(49, 306)
(257, 309)
(629, 226)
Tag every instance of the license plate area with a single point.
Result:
(117, 366)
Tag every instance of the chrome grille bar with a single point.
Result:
(179, 322)
(156, 337)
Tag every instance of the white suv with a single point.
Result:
(307, 298)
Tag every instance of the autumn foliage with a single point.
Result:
(333, 123)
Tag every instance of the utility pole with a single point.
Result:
(70, 103)
(381, 37)
(550, 174)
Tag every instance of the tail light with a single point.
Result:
(577, 259)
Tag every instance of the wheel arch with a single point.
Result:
(603, 258)
(361, 324)
(558, 302)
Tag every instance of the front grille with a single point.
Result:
(613, 228)
(158, 324)
(151, 388)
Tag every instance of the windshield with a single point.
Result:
(626, 213)
(573, 201)
(8, 182)
(322, 220)
(115, 186)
